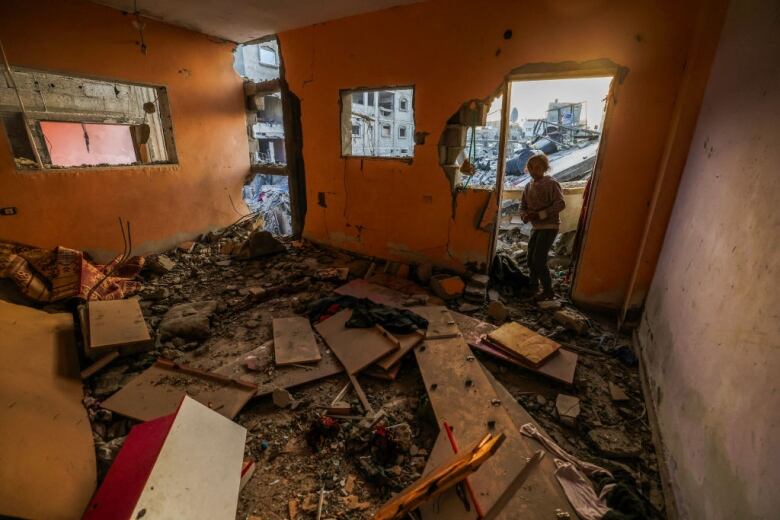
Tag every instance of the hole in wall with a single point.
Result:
(269, 197)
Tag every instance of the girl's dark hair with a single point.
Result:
(541, 158)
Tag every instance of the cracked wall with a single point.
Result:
(166, 204)
(452, 52)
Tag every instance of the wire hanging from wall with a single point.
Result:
(140, 25)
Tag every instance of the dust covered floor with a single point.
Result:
(298, 453)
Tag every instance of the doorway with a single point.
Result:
(562, 118)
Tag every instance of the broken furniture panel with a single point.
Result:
(158, 390)
(294, 341)
(356, 348)
(440, 322)
(267, 377)
(184, 465)
(560, 367)
(463, 396)
(47, 455)
(406, 343)
(115, 325)
(521, 342)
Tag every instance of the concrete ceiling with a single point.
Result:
(245, 20)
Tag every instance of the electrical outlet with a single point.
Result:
(8, 211)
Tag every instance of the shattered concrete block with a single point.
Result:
(186, 247)
(282, 398)
(447, 287)
(498, 312)
(260, 243)
(187, 320)
(614, 443)
(161, 264)
(617, 393)
(480, 280)
(475, 293)
(568, 408)
(572, 320)
(549, 305)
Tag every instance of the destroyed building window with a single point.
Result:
(376, 121)
(266, 126)
(257, 61)
(84, 122)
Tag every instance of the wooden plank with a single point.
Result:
(387, 375)
(294, 341)
(99, 365)
(455, 470)
(461, 394)
(407, 342)
(355, 348)
(360, 394)
(560, 367)
(116, 324)
(47, 455)
(159, 389)
(440, 322)
(524, 343)
(289, 376)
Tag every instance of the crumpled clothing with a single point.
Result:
(366, 314)
(50, 275)
(506, 272)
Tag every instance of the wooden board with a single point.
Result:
(294, 341)
(407, 342)
(47, 455)
(524, 343)
(288, 376)
(560, 367)
(440, 322)
(116, 324)
(355, 348)
(464, 397)
(159, 389)
(185, 465)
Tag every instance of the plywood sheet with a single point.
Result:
(200, 443)
(47, 456)
(440, 322)
(524, 343)
(159, 389)
(407, 342)
(288, 376)
(462, 395)
(116, 323)
(294, 341)
(355, 348)
(560, 367)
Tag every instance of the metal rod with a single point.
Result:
(24, 110)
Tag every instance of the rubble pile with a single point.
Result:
(330, 447)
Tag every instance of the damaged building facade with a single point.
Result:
(295, 237)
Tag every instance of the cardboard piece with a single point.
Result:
(185, 465)
(116, 325)
(158, 390)
(47, 455)
(560, 367)
(440, 322)
(294, 341)
(463, 396)
(288, 376)
(356, 348)
(521, 342)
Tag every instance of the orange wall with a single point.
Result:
(449, 51)
(165, 204)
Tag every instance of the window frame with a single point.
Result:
(35, 117)
(402, 128)
(343, 93)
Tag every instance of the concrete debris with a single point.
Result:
(282, 398)
(260, 243)
(572, 320)
(617, 393)
(568, 408)
(614, 443)
(160, 264)
(475, 293)
(188, 321)
(549, 305)
(480, 280)
(497, 312)
(424, 273)
(447, 287)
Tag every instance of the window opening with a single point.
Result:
(368, 118)
(269, 196)
(84, 122)
(257, 61)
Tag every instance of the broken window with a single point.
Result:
(80, 122)
(367, 127)
(267, 55)
(266, 126)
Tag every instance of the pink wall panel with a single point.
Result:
(108, 144)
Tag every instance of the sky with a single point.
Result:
(532, 97)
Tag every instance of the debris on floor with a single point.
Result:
(355, 380)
